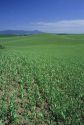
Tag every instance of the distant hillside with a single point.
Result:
(19, 32)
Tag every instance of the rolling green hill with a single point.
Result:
(42, 80)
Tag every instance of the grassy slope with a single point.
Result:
(47, 71)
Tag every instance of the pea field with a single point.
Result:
(42, 80)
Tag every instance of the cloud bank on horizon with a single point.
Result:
(64, 26)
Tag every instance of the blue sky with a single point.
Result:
(58, 16)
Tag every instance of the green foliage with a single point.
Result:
(2, 47)
(42, 80)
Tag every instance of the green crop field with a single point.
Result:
(42, 80)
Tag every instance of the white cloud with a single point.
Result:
(65, 26)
